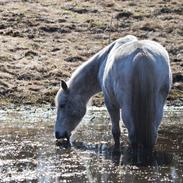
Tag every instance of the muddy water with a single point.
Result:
(29, 153)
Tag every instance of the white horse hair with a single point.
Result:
(135, 78)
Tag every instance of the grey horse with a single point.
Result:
(135, 78)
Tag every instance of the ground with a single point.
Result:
(43, 41)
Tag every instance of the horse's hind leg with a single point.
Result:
(114, 113)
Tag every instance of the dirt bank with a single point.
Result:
(43, 41)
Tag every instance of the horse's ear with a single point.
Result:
(63, 85)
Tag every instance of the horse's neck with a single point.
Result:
(85, 81)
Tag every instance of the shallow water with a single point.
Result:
(28, 151)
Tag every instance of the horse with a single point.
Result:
(135, 78)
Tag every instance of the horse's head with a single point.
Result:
(70, 111)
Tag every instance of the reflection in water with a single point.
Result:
(126, 155)
(29, 153)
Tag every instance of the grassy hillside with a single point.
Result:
(43, 41)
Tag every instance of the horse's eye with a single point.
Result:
(62, 106)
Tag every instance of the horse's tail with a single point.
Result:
(143, 97)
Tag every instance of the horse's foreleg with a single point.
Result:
(114, 113)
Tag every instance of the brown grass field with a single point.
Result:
(43, 41)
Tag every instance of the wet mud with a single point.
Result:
(29, 152)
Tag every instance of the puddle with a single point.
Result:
(28, 152)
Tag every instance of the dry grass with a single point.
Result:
(43, 41)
